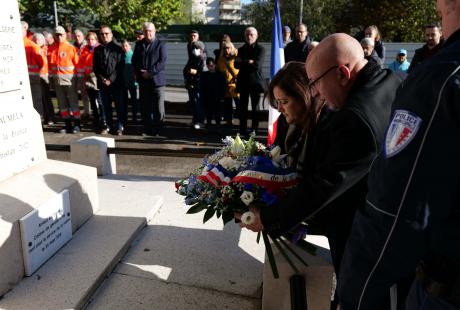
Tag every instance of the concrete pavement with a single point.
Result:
(178, 262)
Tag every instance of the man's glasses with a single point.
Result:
(311, 84)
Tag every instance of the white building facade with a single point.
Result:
(224, 12)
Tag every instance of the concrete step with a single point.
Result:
(74, 273)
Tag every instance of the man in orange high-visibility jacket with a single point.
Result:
(48, 108)
(62, 62)
(79, 44)
(35, 62)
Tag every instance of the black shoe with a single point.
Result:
(68, 126)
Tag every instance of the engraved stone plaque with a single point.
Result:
(45, 230)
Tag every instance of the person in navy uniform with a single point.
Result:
(411, 222)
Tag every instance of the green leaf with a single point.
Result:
(208, 214)
(227, 217)
(196, 208)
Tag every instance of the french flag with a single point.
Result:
(276, 62)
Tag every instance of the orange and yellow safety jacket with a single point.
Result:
(35, 59)
(62, 62)
(85, 62)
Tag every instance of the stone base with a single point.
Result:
(28, 190)
(92, 151)
(318, 280)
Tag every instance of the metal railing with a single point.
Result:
(184, 152)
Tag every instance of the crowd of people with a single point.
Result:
(100, 71)
(105, 74)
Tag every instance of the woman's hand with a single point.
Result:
(256, 224)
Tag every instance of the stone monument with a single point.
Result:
(30, 184)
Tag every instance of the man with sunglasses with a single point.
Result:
(108, 65)
(341, 147)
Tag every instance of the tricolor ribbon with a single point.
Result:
(215, 175)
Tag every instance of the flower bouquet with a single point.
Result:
(240, 174)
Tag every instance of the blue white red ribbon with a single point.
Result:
(215, 175)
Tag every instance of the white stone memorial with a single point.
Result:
(45, 230)
(21, 136)
(29, 181)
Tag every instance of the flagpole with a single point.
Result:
(276, 62)
(301, 12)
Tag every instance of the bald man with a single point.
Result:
(347, 138)
(411, 222)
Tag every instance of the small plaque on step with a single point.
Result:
(45, 230)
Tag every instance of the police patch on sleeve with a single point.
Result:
(401, 131)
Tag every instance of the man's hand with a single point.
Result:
(106, 82)
(145, 74)
(250, 61)
(193, 71)
(257, 225)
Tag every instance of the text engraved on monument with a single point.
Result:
(45, 230)
(9, 45)
(14, 136)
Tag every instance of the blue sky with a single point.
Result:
(246, 1)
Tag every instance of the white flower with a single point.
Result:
(248, 218)
(237, 146)
(228, 140)
(276, 153)
(247, 197)
(228, 163)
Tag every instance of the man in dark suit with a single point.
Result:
(149, 63)
(250, 81)
(297, 50)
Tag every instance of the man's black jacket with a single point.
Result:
(250, 76)
(297, 51)
(109, 63)
(422, 54)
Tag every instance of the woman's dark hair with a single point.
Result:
(292, 79)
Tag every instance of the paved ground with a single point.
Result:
(178, 262)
